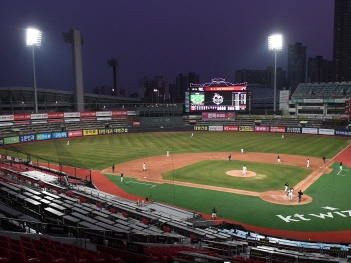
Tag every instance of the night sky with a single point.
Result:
(212, 38)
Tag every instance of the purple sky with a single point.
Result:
(213, 38)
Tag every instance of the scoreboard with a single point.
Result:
(216, 97)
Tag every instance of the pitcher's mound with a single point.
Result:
(239, 173)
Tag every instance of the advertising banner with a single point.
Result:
(103, 113)
(27, 138)
(12, 139)
(43, 136)
(119, 113)
(59, 135)
(22, 123)
(6, 123)
(90, 132)
(88, 114)
(326, 131)
(218, 115)
(343, 132)
(246, 128)
(120, 130)
(88, 119)
(1, 141)
(215, 128)
(310, 130)
(55, 115)
(71, 114)
(55, 120)
(22, 117)
(105, 131)
(76, 133)
(38, 116)
(261, 128)
(277, 129)
(200, 128)
(293, 129)
(231, 128)
(6, 118)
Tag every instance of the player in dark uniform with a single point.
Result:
(300, 194)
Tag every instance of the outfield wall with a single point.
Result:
(209, 128)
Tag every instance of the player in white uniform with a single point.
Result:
(144, 167)
(290, 193)
(244, 170)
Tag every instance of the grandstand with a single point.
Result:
(322, 100)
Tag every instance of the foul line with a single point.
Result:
(152, 185)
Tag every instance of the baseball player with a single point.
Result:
(67, 142)
(229, 157)
(121, 177)
(192, 134)
(308, 163)
(242, 150)
(282, 136)
(279, 161)
(300, 194)
(290, 193)
(244, 170)
(167, 153)
(144, 167)
(340, 166)
(286, 186)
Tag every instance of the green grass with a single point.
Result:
(268, 176)
(100, 152)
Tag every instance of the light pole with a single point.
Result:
(34, 40)
(158, 94)
(275, 43)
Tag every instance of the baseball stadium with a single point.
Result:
(167, 183)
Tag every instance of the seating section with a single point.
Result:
(47, 250)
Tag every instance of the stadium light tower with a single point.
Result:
(34, 40)
(275, 43)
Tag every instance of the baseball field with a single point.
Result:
(198, 176)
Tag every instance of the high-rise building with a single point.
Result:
(296, 65)
(183, 84)
(342, 40)
(154, 90)
(319, 70)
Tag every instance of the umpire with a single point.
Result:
(300, 194)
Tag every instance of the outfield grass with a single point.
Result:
(331, 190)
(99, 152)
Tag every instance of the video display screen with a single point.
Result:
(197, 98)
(217, 98)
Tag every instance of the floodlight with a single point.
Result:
(275, 42)
(34, 40)
(33, 37)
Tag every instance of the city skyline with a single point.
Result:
(211, 38)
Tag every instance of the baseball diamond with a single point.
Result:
(205, 155)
